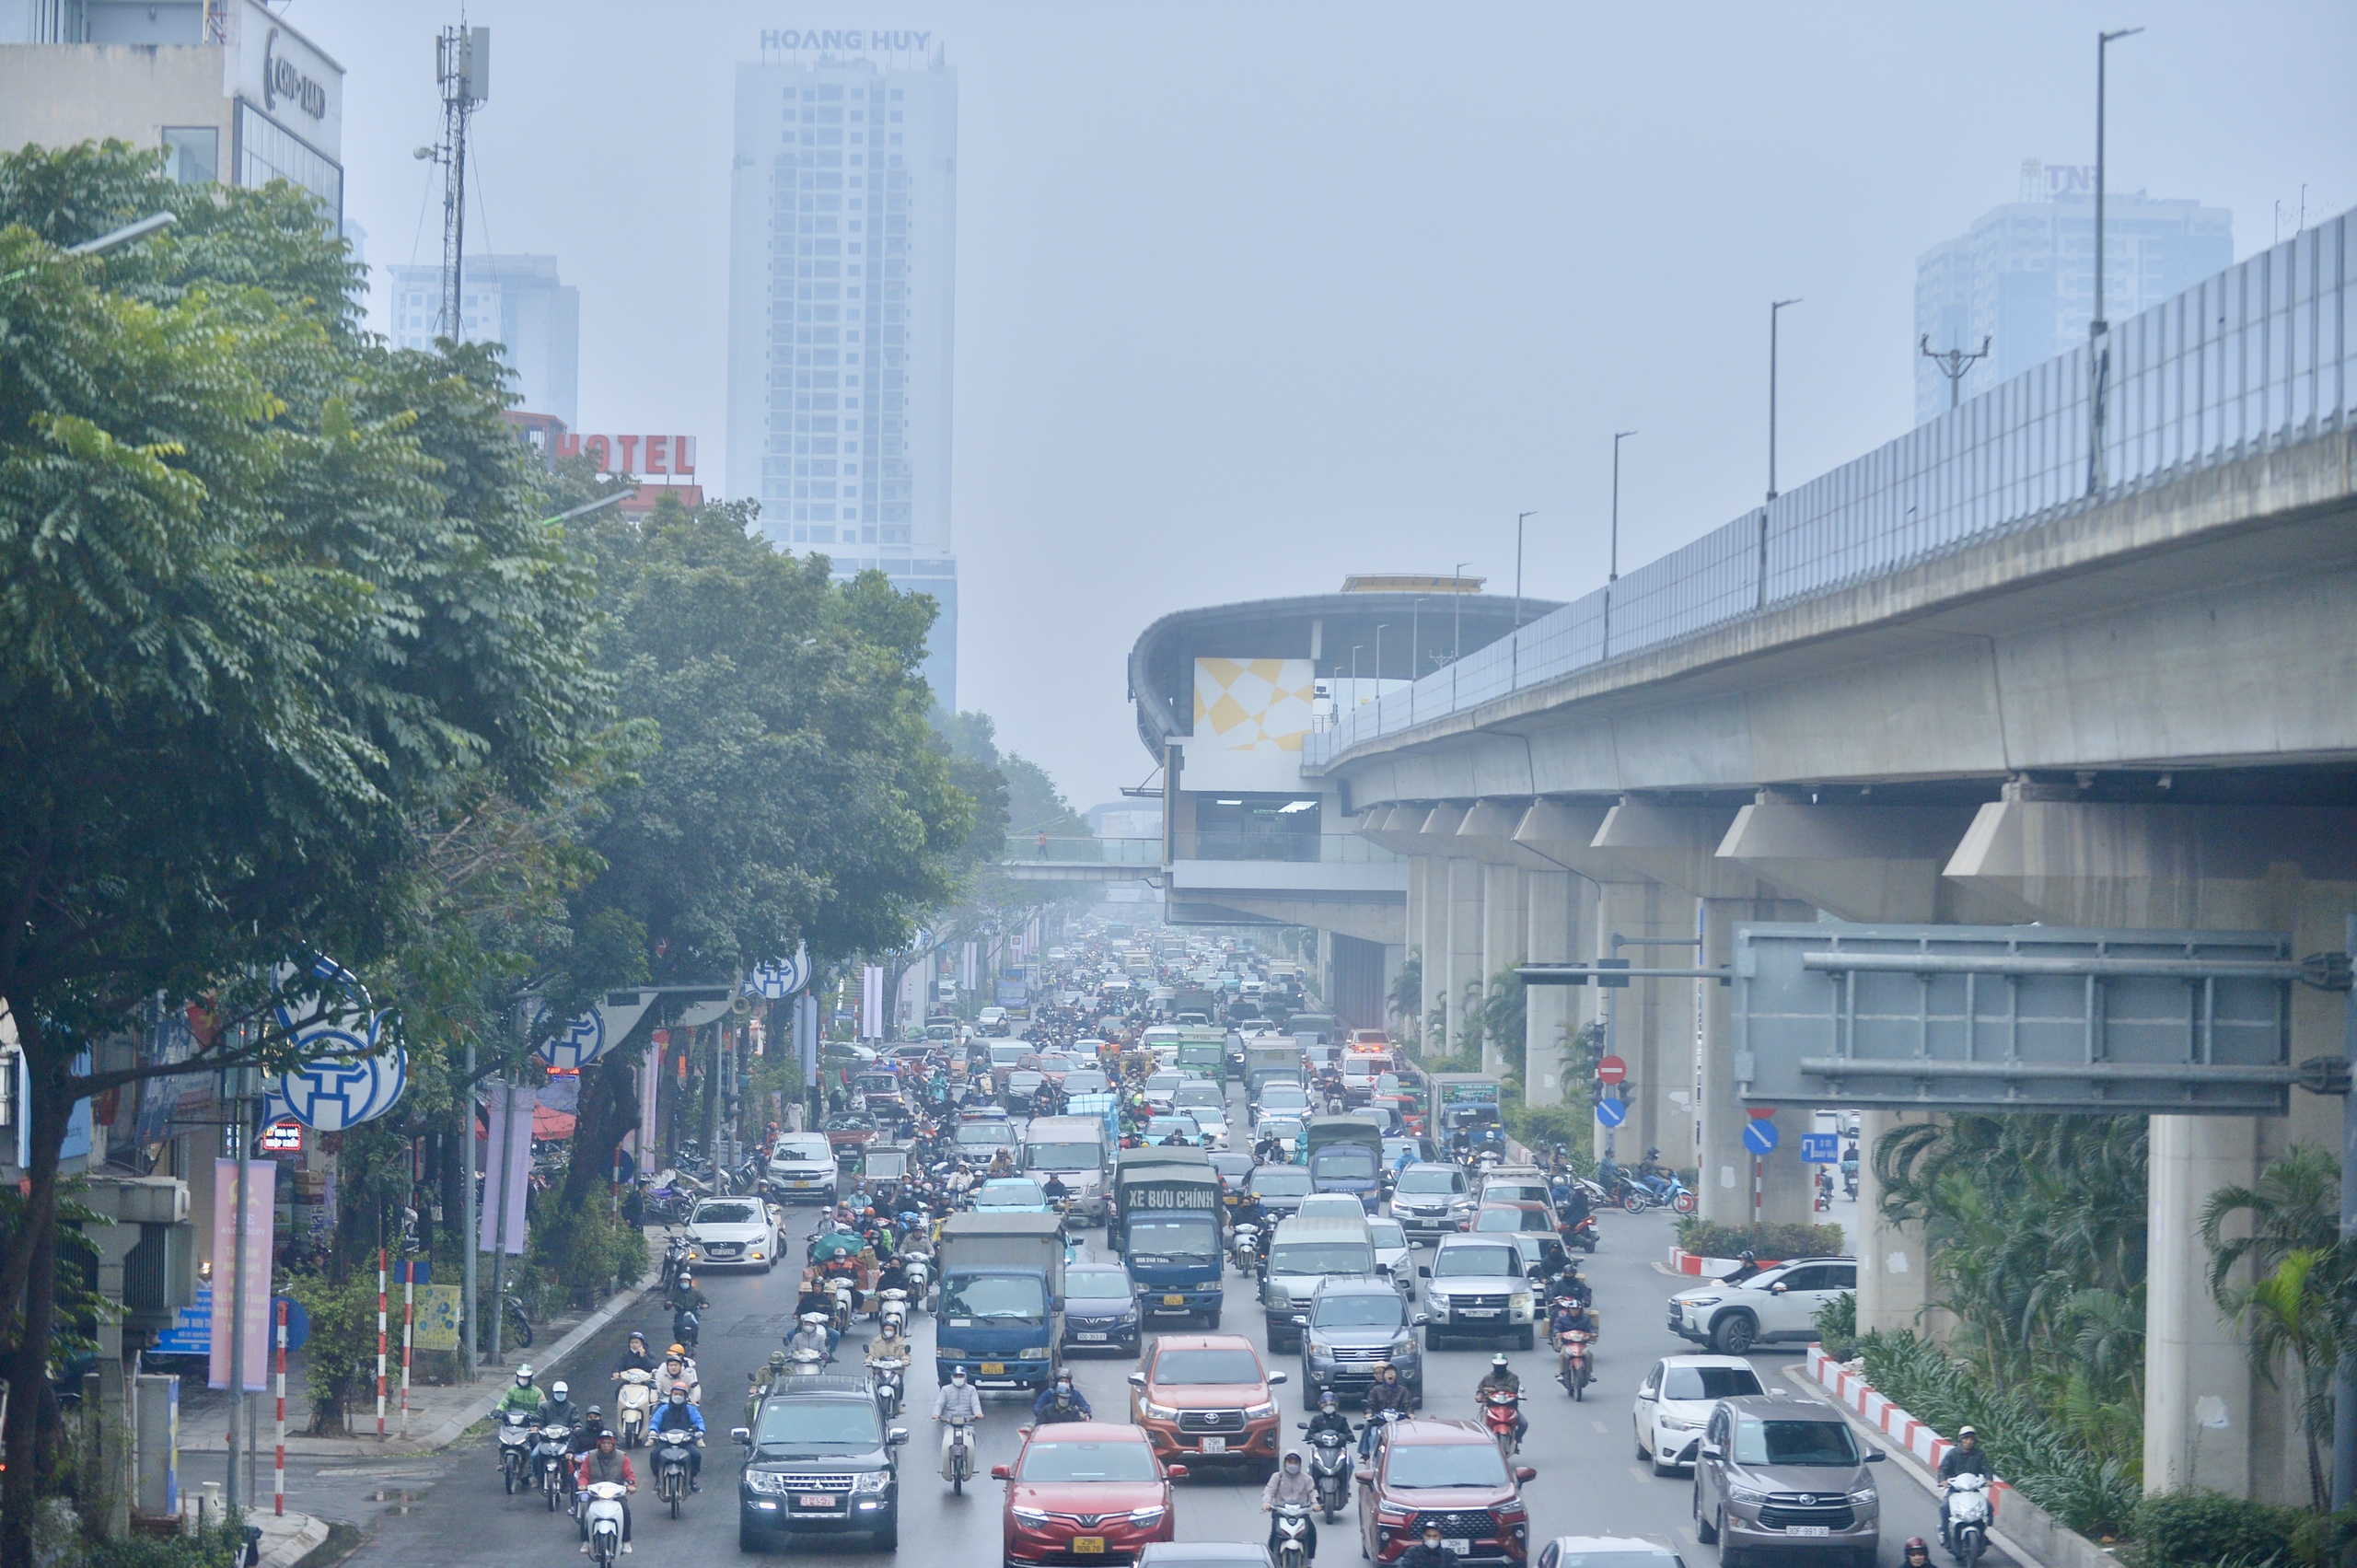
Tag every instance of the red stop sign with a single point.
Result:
(1612, 1070)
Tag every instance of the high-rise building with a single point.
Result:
(2023, 276)
(514, 301)
(843, 247)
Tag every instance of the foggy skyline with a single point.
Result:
(1250, 299)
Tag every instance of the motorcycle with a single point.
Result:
(1246, 1247)
(1329, 1470)
(604, 1515)
(920, 1270)
(1293, 1535)
(685, 1325)
(885, 1377)
(806, 1363)
(1967, 1512)
(675, 1258)
(633, 1405)
(1582, 1234)
(893, 1315)
(515, 1429)
(1578, 1368)
(961, 1456)
(670, 1471)
(1636, 1197)
(845, 1298)
(554, 1465)
(1501, 1413)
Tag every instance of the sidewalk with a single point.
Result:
(286, 1540)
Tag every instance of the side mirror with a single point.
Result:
(1776, 1290)
(1277, 1377)
(1712, 1451)
(1137, 1380)
(742, 1433)
(895, 1436)
(1174, 1472)
(1419, 1321)
(1001, 1472)
(1423, 1270)
(1301, 1320)
(1876, 1455)
(1523, 1472)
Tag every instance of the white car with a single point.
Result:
(1340, 1205)
(1674, 1404)
(733, 1232)
(1779, 1303)
(1162, 1088)
(803, 1166)
(1393, 1253)
(1607, 1551)
(1208, 1106)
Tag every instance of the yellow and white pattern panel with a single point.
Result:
(1254, 704)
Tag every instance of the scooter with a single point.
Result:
(1329, 1470)
(1967, 1511)
(1636, 1197)
(1501, 1413)
(920, 1270)
(1377, 1432)
(961, 1456)
(1578, 1368)
(806, 1363)
(1582, 1234)
(671, 1470)
(1245, 1245)
(554, 1465)
(604, 1513)
(846, 1299)
(631, 1405)
(893, 1315)
(516, 1428)
(885, 1377)
(1293, 1535)
(675, 1258)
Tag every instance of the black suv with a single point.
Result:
(818, 1461)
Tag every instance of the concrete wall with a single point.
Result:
(57, 95)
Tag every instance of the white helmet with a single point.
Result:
(557, 1389)
(524, 1375)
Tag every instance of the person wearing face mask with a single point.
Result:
(1427, 1553)
(956, 1399)
(682, 1420)
(1061, 1401)
(1290, 1484)
(1388, 1393)
(604, 1462)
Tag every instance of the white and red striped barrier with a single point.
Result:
(1893, 1423)
(1684, 1262)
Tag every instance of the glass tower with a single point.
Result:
(842, 261)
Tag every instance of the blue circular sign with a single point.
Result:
(581, 1044)
(1611, 1113)
(783, 977)
(1759, 1136)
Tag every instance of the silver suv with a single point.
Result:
(1782, 1476)
(1478, 1285)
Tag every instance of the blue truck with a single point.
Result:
(1001, 1287)
(1346, 1156)
(1166, 1224)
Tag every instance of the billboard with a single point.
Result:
(1257, 705)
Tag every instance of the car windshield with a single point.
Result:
(1010, 1194)
(985, 1132)
(1166, 1239)
(1794, 1443)
(1281, 1181)
(1194, 1096)
(802, 1149)
(1208, 1366)
(1386, 1234)
(1163, 1083)
(1445, 1464)
(1009, 1297)
(1616, 1560)
(1429, 1178)
(1344, 1162)
(1360, 1311)
(1709, 1383)
(1009, 1055)
(1507, 1219)
(1061, 1156)
(1096, 1284)
(806, 1426)
(725, 1214)
(1120, 1460)
(1321, 1257)
(1466, 1262)
(1087, 1081)
(1284, 1097)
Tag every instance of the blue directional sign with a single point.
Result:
(1611, 1113)
(1821, 1148)
(1759, 1135)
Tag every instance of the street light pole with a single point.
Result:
(1953, 363)
(1772, 310)
(1380, 628)
(1456, 633)
(1617, 436)
(1519, 518)
(2099, 350)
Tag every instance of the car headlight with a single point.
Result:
(1036, 1352)
(1319, 1347)
(1404, 1345)
(1864, 1495)
(1280, 1298)
(1678, 1424)
(1147, 1517)
(871, 1480)
(1152, 1411)
(1260, 1411)
(1745, 1494)
(1034, 1518)
(1518, 1304)
(1701, 1300)
(764, 1481)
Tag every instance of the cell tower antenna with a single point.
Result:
(462, 68)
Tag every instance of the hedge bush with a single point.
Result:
(584, 1253)
(217, 1547)
(1708, 1240)
(2197, 1529)
(1837, 1325)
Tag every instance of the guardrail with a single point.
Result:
(2258, 357)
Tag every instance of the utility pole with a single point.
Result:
(1953, 363)
(462, 68)
(2098, 329)
(1519, 518)
(1617, 436)
(468, 1229)
(242, 1116)
(1457, 593)
(1772, 310)
(1381, 627)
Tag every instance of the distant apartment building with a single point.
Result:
(2023, 276)
(514, 301)
(225, 90)
(841, 271)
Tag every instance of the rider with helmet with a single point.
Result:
(1061, 1401)
(524, 1395)
(1502, 1380)
(685, 1422)
(1329, 1417)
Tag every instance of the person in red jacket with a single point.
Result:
(606, 1462)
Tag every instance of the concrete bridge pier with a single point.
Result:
(1554, 903)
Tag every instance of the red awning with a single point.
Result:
(551, 1126)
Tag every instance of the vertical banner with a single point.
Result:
(871, 1001)
(261, 1196)
(966, 976)
(511, 1127)
(806, 1035)
(650, 1085)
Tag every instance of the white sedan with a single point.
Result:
(1674, 1404)
(734, 1233)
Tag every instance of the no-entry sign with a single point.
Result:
(1612, 1070)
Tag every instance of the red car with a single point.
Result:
(1450, 1471)
(1085, 1492)
(1207, 1396)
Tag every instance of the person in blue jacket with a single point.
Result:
(1061, 1401)
(675, 1416)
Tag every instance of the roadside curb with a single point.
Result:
(1903, 1458)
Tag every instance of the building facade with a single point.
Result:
(516, 302)
(225, 90)
(2023, 276)
(842, 252)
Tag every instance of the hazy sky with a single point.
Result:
(1253, 295)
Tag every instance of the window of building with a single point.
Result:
(269, 151)
(192, 154)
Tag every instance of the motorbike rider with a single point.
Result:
(1427, 1553)
(1061, 1401)
(1571, 1314)
(1054, 1191)
(1573, 1207)
(688, 1305)
(675, 1415)
(585, 1435)
(605, 1462)
(893, 1275)
(1917, 1552)
(1966, 1458)
(957, 1399)
(1329, 1418)
(1386, 1393)
(1502, 1380)
(635, 1356)
(1609, 1176)
(525, 1396)
(814, 1296)
(1000, 1165)
(1290, 1483)
(678, 1374)
(890, 1345)
(559, 1410)
(1651, 1173)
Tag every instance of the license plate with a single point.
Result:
(1090, 1338)
(1806, 1531)
(1459, 1547)
(1089, 1543)
(814, 1500)
(1214, 1444)
(994, 1369)
(1174, 1301)
(1478, 1311)
(801, 1181)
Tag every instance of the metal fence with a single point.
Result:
(2258, 357)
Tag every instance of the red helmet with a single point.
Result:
(1916, 1543)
